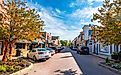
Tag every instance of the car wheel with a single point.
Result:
(34, 58)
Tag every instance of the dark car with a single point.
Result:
(54, 48)
(60, 48)
(74, 48)
(84, 50)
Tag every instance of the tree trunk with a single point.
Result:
(11, 49)
(5, 56)
(8, 47)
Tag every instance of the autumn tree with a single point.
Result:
(16, 23)
(109, 15)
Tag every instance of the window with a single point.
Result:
(90, 43)
(90, 32)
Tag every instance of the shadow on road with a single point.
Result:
(66, 72)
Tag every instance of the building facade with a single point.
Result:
(86, 38)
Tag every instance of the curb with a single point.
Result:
(77, 64)
(23, 70)
(110, 68)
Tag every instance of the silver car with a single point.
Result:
(51, 50)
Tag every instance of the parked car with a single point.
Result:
(54, 48)
(51, 50)
(73, 48)
(60, 48)
(83, 50)
(39, 53)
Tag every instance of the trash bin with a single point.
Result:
(18, 52)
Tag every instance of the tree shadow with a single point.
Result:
(66, 72)
(66, 57)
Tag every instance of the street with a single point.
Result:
(61, 65)
(89, 65)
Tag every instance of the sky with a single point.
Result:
(65, 18)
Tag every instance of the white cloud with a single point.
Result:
(57, 26)
(95, 0)
(76, 3)
(58, 11)
(84, 13)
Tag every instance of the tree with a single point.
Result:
(109, 15)
(18, 22)
(64, 42)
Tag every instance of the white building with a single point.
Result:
(85, 38)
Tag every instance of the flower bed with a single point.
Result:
(13, 66)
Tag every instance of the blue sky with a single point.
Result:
(65, 18)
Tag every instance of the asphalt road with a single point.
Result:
(89, 64)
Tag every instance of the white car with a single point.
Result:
(51, 50)
(39, 53)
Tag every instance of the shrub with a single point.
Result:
(3, 68)
(17, 68)
(117, 66)
(114, 53)
(1, 62)
(119, 55)
(10, 68)
(114, 56)
(107, 60)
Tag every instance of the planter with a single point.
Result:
(115, 57)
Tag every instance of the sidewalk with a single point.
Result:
(102, 56)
